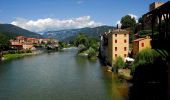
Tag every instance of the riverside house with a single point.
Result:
(114, 43)
(140, 44)
(23, 43)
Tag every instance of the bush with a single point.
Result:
(81, 48)
(28, 51)
(91, 52)
(119, 64)
(148, 56)
(12, 52)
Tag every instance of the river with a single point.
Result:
(55, 76)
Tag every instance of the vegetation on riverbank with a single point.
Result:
(148, 56)
(88, 46)
(14, 56)
(18, 54)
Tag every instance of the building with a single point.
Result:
(155, 5)
(147, 22)
(140, 44)
(21, 42)
(115, 43)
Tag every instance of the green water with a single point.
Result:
(54, 76)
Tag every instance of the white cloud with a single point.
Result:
(80, 2)
(132, 16)
(47, 24)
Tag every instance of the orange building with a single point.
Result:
(140, 44)
(114, 43)
(118, 44)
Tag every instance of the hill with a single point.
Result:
(69, 34)
(13, 31)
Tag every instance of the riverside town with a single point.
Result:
(48, 53)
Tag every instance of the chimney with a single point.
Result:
(117, 26)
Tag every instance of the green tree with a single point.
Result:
(4, 42)
(119, 63)
(148, 56)
(128, 22)
(81, 39)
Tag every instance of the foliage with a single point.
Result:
(82, 48)
(140, 20)
(4, 42)
(87, 45)
(119, 63)
(91, 52)
(127, 21)
(93, 42)
(81, 39)
(148, 56)
(63, 45)
(144, 33)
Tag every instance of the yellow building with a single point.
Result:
(140, 44)
(118, 44)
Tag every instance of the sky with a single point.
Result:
(45, 15)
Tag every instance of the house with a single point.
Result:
(22, 42)
(115, 43)
(140, 44)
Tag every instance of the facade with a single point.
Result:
(114, 44)
(140, 44)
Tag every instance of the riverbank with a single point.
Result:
(14, 56)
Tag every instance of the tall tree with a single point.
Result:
(128, 22)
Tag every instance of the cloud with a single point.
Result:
(48, 24)
(132, 16)
(80, 2)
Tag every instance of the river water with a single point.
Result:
(55, 76)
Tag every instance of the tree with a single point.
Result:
(81, 39)
(128, 22)
(118, 64)
(4, 42)
(148, 56)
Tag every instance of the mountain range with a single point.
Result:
(69, 34)
(13, 31)
(66, 35)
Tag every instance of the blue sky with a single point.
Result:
(96, 12)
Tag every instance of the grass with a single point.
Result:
(13, 56)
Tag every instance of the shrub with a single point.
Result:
(119, 63)
(91, 52)
(148, 56)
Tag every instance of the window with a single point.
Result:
(115, 48)
(115, 41)
(124, 40)
(115, 55)
(124, 55)
(124, 35)
(124, 48)
(115, 35)
(142, 44)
